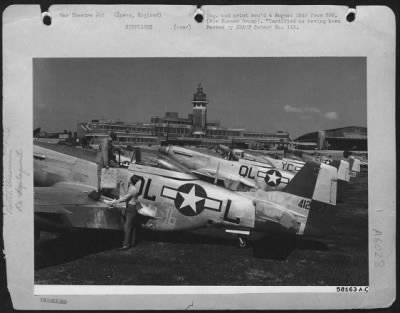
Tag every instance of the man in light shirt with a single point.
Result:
(130, 213)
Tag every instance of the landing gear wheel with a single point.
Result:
(243, 242)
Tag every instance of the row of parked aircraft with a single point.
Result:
(184, 189)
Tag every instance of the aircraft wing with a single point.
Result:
(67, 205)
(224, 179)
(61, 195)
(208, 175)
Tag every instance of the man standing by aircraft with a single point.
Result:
(130, 213)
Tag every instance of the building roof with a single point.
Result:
(348, 132)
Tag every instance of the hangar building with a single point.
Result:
(344, 138)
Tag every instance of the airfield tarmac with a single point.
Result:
(211, 257)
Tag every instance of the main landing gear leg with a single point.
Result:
(243, 242)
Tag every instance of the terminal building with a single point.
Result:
(127, 133)
(195, 129)
(345, 138)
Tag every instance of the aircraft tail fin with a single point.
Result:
(343, 168)
(343, 178)
(305, 206)
(355, 165)
(315, 181)
(313, 194)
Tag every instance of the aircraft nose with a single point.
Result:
(164, 150)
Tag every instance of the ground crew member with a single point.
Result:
(129, 213)
(104, 157)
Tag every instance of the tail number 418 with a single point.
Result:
(304, 204)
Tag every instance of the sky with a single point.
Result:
(298, 95)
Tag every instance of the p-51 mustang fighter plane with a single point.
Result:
(290, 165)
(179, 202)
(294, 165)
(64, 178)
(173, 200)
(238, 174)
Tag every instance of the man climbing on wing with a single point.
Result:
(104, 159)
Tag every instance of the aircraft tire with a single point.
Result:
(243, 243)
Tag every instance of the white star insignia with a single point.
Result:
(190, 199)
(273, 177)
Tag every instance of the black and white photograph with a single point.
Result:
(199, 157)
(200, 171)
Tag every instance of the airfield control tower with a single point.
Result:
(199, 111)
